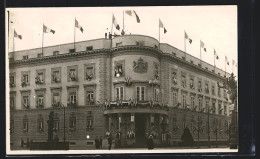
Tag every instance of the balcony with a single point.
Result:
(133, 106)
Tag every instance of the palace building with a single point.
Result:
(130, 85)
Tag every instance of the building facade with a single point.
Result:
(129, 84)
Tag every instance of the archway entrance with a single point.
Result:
(140, 125)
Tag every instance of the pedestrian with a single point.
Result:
(150, 143)
(96, 142)
(100, 142)
(109, 139)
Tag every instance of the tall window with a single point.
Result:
(89, 72)
(207, 105)
(12, 80)
(184, 100)
(72, 122)
(120, 93)
(206, 87)
(40, 101)
(156, 94)
(199, 86)
(25, 79)
(40, 124)
(12, 102)
(219, 92)
(213, 89)
(140, 92)
(90, 98)
(56, 123)
(225, 109)
(26, 102)
(89, 122)
(72, 97)
(219, 108)
(25, 125)
(39, 79)
(192, 102)
(213, 106)
(191, 83)
(56, 99)
(183, 81)
(174, 78)
(200, 103)
(175, 97)
(56, 75)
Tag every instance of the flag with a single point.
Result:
(216, 55)
(115, 23)
(17, 35)
(234, 63)
(133, 13)
(162, 26)
(47, 30)
(77, 25)
(227, 60)
(203, 46)
(187, 37)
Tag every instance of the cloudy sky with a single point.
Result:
(216, 26)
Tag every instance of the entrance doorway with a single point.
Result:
(140, 120)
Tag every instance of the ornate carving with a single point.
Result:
(140, 66)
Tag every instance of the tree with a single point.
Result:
(186, 138)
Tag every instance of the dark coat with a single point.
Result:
(150, 144)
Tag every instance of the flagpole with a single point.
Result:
(159, 34)
(42, 38)
(214, 61)
(200, 54)
(184, 44)
(112, 26)
(225, 64)
(74, 35)
(123, 21)
(13, 43)
(232, 66)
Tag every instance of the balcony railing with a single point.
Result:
(135, 104)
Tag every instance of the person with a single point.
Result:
(96, 142)
(109, 139)
(100, 142)
(150, 143)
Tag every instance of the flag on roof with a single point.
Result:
(162, 26)
(227, 60)
(133, 13)
(17, 35)
(77, 25)
(47, 30)
(187, 37)
(203, 46)
(216, 55)
(115, 23)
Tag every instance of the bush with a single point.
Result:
(186, 138)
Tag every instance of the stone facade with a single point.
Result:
(127, 84)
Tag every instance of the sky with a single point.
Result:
(215, 26)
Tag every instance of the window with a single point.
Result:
(12, 102)
(118, 70)
(25, 79)
(89, 122)
(225, 94)
(72, 122)
(199, 86)
(72, 73)
(119, 44)
(156, 71)
(174, 78)
(56, 99)
(213, 89)
(71, 50)
(119, 93)
(200, 103)
(40, 102)
(220, 108)
(191, 83)
(26, 102)
(56, 123)
(39, 79)
(156, 94)
(89, 48)
(90, 98)
(175, 97)
(140, 43)
(207, 88)
(40, 124)
(72, 98)
(184, 100)
(213, 106)
(183, 81)
(25, 57)
(192, 102)
(207, 105)
(55, 52)
(25, 125)
(55, 73)
(89, 72)
(40, 55)
(219, 92)
(140, 92)
(12, 80)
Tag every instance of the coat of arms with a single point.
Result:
(140, 66)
